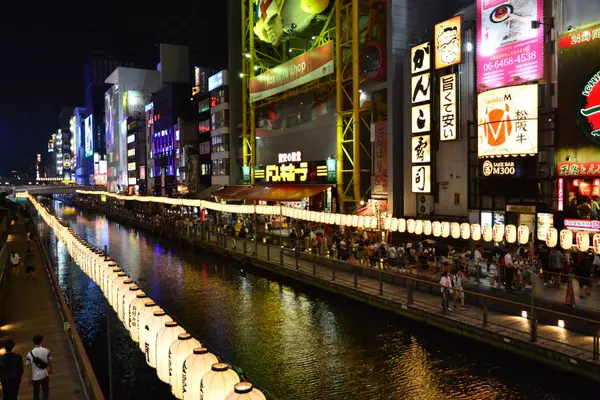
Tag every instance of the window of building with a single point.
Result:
(204, 126)
(203, 105)
(220, 167)
(204, 148)
(204, 169)
(220, 119)
(219, 96)
(219, 143)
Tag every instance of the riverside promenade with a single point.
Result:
(530, 329)
(31, 306)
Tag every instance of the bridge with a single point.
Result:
(38, 190)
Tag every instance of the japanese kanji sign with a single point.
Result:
(420, 88)
(380, 158)
(420, 58)
(421, 149)
(508, 121)
(421, 118)
(448, 111)
(581, 169)
(421, 179)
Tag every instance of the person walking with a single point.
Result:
(29, 267)
(15, 262)
(458, 292)
(446, 288)
(39, 363)
(11, 371)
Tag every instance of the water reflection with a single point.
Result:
(295, 342)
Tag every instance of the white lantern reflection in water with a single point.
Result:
(218, 382)
(150, 329)
(178, 352)
(164, 339)
(195, 367)
(245, 391)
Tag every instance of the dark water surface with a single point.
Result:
(293, 341)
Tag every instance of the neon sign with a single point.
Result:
(322, 172)
(588, 106)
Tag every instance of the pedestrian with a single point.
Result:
(15, 262)
(556, 261)
(11, 371)
(29, 267)
(510, 269)
(446, 288)
(39, 363)
(458, 292)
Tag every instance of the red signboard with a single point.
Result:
(580, 36)
(380, 155)
(300, 70)
(579, 169)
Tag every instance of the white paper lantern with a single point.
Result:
(401, 225)
(551, 237)
(419, 227)
(523, 234)
(114, 281)
(137, 305)
(427, 228)
(487, 233)
(355, 221)
(436, 227)
(245, 391)
(109, 281)
(596, 243)
(127, 298)
(195, 367)
(151, 327)
(142, 317)
(583, 241)
(394, 226)
(566, 239)
(338, 219)
(476, 232)
(410, 225)
(387, 224)
(465, 231)
(445, 229)
(498, 231)
(218, 382)
(180, 350)
(104, 274)
(511, 233)
(119, 290)
(361, 222)
(455, 230)
(165, 337)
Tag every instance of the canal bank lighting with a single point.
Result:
(218, 382)
(245, 391)
(195, 366)
(178, 352)
(164, 339)
(524, 314)
(561, 323)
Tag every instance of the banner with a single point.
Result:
(581, 169)
(381, 162)
(293, 73)
(509, 51)
(508, 121)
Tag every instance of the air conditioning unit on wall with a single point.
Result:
(425, 204)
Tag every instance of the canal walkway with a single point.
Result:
(30, 307)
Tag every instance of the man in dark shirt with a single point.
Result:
(11, 371)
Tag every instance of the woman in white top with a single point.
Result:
(15, 261)
(446, 288)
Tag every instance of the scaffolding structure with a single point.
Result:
(345, 26)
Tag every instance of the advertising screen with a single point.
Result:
(89, 137)
(215, 81)
(507, 121)
(509, 51)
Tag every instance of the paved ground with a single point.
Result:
(30, 307)
(549, 336)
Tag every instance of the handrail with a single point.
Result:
(91, 386)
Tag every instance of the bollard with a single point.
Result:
(297, 254)
(281, 257)
(268, 253)
(410, 293)
(596, 347)
(533, 328)
(485, 312)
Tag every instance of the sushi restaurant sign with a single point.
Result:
(588, 108)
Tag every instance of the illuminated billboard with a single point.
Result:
(305, 68)
(215, 81)
(89, 137)
(448, 42)
(508, 121)
(509, 51)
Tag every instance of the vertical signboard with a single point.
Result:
(448, 42)
(380, 155)
(420, 84)
(509, 50)
(448, 109)
(89, 137)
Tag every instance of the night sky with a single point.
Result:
(44, 49)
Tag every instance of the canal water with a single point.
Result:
(294, 342)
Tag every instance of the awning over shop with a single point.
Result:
(208, 191)
(269, 193)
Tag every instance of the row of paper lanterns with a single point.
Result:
(179, 359)
(466, 231)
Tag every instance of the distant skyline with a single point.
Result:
(44, 50)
